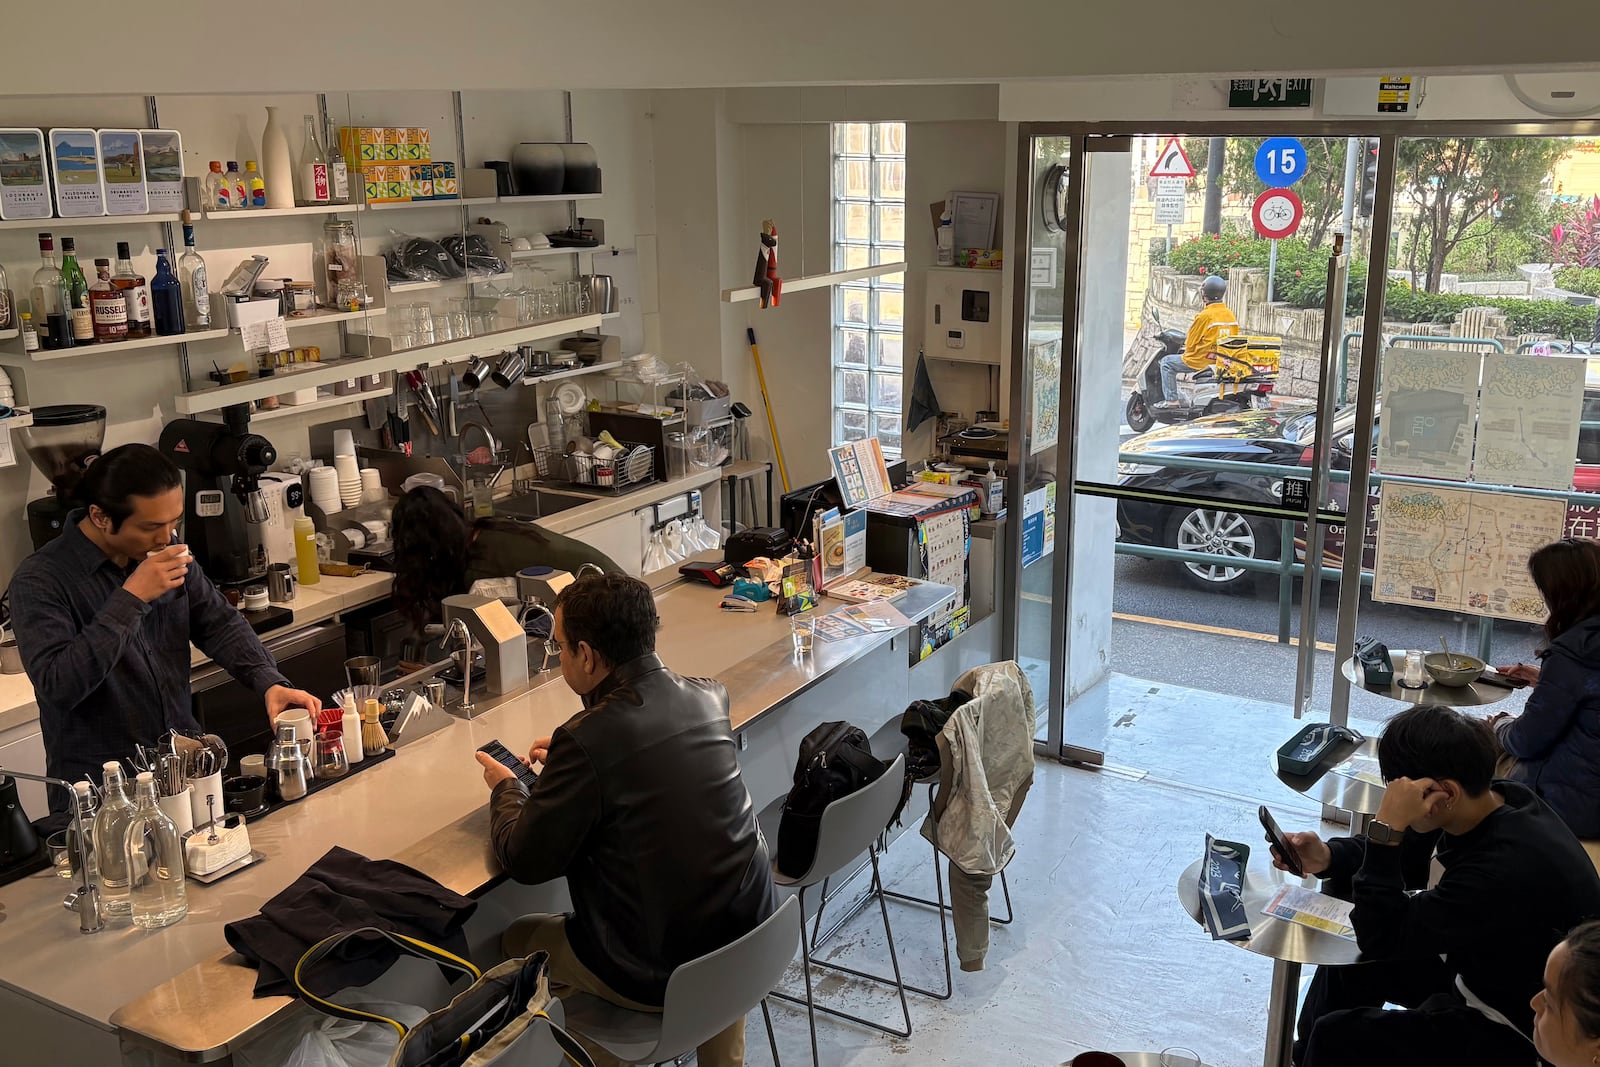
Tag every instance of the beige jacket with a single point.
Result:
(985, 769)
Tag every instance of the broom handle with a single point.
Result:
(766, 402)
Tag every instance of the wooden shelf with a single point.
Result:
(53, 224)
(329, 372)
(15, 357)
(320, 404)
(326, 315)
(414, 287)
(247, 213)
(815, 281)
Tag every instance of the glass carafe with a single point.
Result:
(331, 761)
(110, 830)
(154, 855)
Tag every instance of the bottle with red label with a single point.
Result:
(108, 306)
(313, 168)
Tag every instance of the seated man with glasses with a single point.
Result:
(641, 807)
(1464, 957)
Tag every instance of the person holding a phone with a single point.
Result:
(1465, 957)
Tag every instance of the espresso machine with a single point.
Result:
(63, 440)
(223, 463)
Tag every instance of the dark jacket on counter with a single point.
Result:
(501, 547)
(641, 806)
(1557, 736)
(1512, 888)
(109, 670)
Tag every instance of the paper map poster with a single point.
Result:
(1460, 550)
(1430, 399)
(1045, 424)
(1528, 420)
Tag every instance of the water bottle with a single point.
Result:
(154, 855)
(110, 830)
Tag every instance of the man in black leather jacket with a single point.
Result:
(641, 807)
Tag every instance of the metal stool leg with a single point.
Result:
(816, 927)
(772, 1039)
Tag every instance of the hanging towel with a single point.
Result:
(924, 402)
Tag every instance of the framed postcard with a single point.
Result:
(163, 169)
(75, 163)
(122, 168)
(24, 185)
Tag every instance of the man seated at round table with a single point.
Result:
(1464, 957)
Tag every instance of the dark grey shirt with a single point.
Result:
(109, 670)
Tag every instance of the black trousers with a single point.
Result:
(1343, 1021)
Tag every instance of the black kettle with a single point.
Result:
(18, 842)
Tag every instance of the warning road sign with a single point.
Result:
(1172, 163)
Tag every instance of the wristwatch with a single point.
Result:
(1381, 833)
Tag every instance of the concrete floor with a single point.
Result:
(1101, 955)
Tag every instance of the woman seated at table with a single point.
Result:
(438, 553)
(1566, 1013)
(1554, 745)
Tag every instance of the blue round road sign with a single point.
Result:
(1280, 162)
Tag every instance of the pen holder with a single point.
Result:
(177, 808)
(200, 788)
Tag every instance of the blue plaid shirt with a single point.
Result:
(109, 670)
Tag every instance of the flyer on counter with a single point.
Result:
(1360, 769)
(838, 627)
(878, 616)
(1312, 909)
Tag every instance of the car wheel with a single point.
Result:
(1137, 413)
(1221, 533)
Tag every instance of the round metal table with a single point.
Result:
(1289, 945)
(1360, 799)
(1435, 695)
(1135, 1059)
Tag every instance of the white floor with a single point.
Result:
(1101, 956)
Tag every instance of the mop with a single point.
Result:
(766, 402)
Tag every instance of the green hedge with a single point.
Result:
(1585, 280)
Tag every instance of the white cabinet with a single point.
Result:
(962, 320)
(22, 749)
(619, 538)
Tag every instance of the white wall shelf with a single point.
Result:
(21, 418)
(815, 281)
(559, 198)
(8, 335)
(247, 213)
(540, 253)
(322, 403)
(326, 316)
(413, 287)
(458, 201)
(15, 357)
(575, 372)
(53, 224)
(329, 372)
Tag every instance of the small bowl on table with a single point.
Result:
(1453, 669)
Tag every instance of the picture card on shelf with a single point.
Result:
(75, 161)
(163, 169)
(122, 165)
(24, 185)
(859, 469)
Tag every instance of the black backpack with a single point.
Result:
(835, 761)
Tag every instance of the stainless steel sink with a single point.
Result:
(539, 503)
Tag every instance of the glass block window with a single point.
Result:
(869, 227)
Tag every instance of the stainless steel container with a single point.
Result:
(602, 294)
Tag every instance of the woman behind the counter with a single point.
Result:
(438, 553)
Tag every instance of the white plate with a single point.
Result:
(639, 461)
(571, 397)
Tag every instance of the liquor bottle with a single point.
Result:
(218, 192)
(192, 276)
(153, 852)
(339, 180)
(30, 336)
(110, 841)
(238, 191)
(77, 293)
(50, 299)
(107, 305)
(7, 311)
(166, 297)
(314, 182)
(258, 188)
(134, 291)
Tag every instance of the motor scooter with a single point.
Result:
(1242, 377)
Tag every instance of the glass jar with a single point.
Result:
(300, 298)
(342, 284)
(331, 761)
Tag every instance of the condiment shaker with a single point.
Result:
(350, 724)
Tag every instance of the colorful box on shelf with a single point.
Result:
(367, 145)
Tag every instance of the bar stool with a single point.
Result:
(702, 1000)
(850, 825)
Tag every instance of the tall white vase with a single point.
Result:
(276, 164)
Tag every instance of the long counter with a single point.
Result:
(177, 994)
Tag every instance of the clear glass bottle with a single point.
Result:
(338, 180)
(192, 276)
(77, 293)
(240, 192)
(315, 184)
(50, 299)
(342, 263)
(134, 290)
(107, 306)
(153, 853)
(166, 297)
(258, 187)
(215, 190)
(110, 840)
(82, 852)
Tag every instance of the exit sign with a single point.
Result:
(1269, 92)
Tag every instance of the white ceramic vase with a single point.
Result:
(276, 164)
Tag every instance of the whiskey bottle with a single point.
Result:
(134, 291)
(107, 305)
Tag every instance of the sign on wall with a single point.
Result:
(1170, 201)
(1269, 92)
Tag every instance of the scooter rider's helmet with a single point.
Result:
(1213, 288)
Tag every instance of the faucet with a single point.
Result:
(85, 899)
(589, 568)
(459, 631)
(533, 608)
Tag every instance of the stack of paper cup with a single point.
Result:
(349, 480)
(344, 443)
(372, 491)
(323, 484)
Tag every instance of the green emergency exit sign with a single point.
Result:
(1269, 92)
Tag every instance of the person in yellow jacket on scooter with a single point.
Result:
(1211, 327)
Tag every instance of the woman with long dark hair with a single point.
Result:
(439, 553)
(1555, 742)
(1566, 1012)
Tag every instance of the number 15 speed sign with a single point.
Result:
(1280, 162)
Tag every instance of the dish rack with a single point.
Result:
(634, 467)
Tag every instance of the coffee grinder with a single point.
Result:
(223, 463)
(63, 440)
